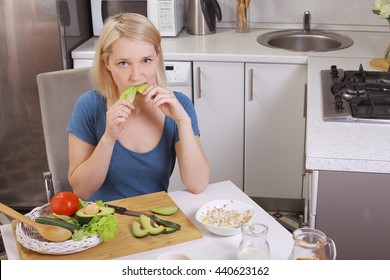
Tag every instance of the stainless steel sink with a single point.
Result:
(305, 40)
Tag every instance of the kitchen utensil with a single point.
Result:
(123, 210)
(243, 16)
(202, 16)
(32, 242)
(311, 244)
(254, 244)
(125, 243)
(51, 233)
(225, 216)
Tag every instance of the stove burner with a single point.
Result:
(356, 95)
(355, 88)
(385, 78)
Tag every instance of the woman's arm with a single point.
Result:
(193, 165)
(88, 165)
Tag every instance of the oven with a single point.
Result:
(356, 95)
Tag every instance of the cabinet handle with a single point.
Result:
(250, 84)
(198, 83)
(305, 102)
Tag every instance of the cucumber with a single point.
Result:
(169, 230)
(164, 222)
(56, 222)
(166, 210)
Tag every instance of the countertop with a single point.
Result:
(354, 147)
(210, 246)
(342, 146)
(228, 45)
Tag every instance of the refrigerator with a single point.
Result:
(36, 36)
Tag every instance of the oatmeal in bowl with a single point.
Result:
(225, 216)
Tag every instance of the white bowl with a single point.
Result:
(173, 256)
(235, 208)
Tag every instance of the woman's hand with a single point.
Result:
(166, 100)
(116, 116)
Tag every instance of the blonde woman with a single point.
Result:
(119, 148)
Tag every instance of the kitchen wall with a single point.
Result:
(326, 14)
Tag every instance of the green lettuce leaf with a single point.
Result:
(105, 226)
(131, 91)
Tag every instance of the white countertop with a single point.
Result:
(210, 246)
(342, 146)
(329, 146)
(228, 45)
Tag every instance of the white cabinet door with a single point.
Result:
(219, 103)
(274, 130)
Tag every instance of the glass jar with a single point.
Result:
(311, 244)
(254, 244)
(242, 16)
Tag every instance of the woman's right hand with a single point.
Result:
(116, 116)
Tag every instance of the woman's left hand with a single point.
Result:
(166, 100)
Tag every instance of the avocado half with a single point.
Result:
(137, 229)
(149, 225)
(84, 218)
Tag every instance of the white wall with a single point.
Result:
(326, 14)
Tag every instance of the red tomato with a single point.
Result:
(64, 203)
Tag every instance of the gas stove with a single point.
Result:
(356, 95)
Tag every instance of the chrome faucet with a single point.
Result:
(306, 21)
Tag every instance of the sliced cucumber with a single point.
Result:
(166, 210)
(169, 230)
(165, 222)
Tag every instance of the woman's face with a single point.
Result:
(132, 63)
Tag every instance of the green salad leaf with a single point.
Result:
(131, 91)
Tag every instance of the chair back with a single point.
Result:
(58, 92)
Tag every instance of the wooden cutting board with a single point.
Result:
(125, 243)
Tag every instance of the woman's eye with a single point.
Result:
(146, 60)
(123, 63)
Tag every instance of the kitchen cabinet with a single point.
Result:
(219, 103)
(274, 130)
(352, 209)
(251, 117)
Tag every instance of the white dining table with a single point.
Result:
(210, 246)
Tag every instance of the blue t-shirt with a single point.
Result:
(130, 173)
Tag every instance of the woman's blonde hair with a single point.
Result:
(131, 26)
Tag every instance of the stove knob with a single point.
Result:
(338, 102)
(334, 73)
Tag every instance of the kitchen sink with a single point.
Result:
(305, 40)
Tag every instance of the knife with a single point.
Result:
(125, 211)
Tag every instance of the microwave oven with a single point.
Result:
(166, 15)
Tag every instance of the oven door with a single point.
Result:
(102, 9)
